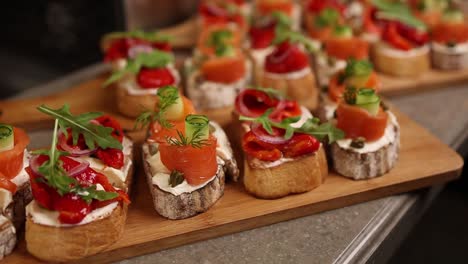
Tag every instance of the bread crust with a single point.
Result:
(7, 236)
(133, 105)
(359, 166)
(300, 175)
(303, 89)
(186, 204)
(405, 66)
(61, 244)
(15, 211)
(449, 60)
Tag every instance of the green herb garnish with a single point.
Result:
(358, 68)
(327, 17)
(389, 10)
(153, 59)
(168, 96)
(56, 177)
(283, 32)
(311, 127)
(219, 41)
(152, 36)
(176, 178)
(281, 19)
(93, 134)
(197, 130)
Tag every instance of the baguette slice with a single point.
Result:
(298, 176)
(61, 244)
(79, 241)
(359, 166)
(446, 58)
(198, 201)
(133, 105)
(7, 236)
(409, 65)
(303, 88)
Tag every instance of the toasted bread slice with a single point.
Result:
(367, 165)
(78, 241)
(300, 175)
(400, 63)
(302, 87)
(133, 105)
(188, 204)
(7, 236)
(61, 244)
(448, 58)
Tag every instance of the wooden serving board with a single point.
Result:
(185, 35)
(424, 161)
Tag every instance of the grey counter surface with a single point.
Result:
(355, 234)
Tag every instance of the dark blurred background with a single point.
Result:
(43, 40)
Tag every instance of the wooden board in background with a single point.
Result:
(424, 161)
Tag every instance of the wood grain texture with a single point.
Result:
(146, 231)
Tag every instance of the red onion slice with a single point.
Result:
(62, 141)
(137, 49)
(84, 165)
(35, 163)
(263, 135)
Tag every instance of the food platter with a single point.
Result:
(147, 232)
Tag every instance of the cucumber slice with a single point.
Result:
(453, 16)
(174, 111)
(343, 32)
(367, 99)
(7, 139)
(197, 128)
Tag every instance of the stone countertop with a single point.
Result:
(353, 234)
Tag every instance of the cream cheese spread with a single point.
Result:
(390, 51)
(459, 48)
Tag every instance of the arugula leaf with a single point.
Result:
(219, 41)
(283, 34)
(81, 125)
(167, 95)
(312, 127)
(282, 19)
(271, 92)
(56, 177)
(153, 59)
(152, 36)
(327, 17)
(397, 11)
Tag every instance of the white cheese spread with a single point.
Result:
(459, 48)
(47, 217)
(393, 52)
(290, 75)
(6, 197)
(372, 146)
(115, 176)
(209, 95)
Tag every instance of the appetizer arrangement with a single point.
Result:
(186, 157)
(218, 70)
(450, 42)
(75, 205)
(280, 142)
(140, 78)
(372, 136)
(15, 191)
